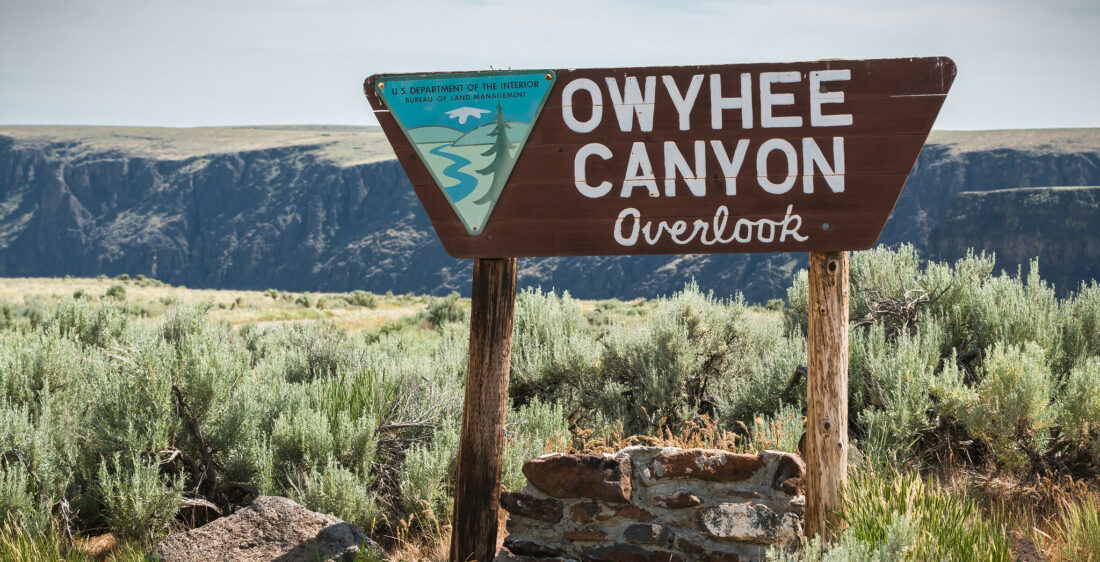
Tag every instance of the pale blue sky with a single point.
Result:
(198, 62)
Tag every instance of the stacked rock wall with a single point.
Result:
(655, 504)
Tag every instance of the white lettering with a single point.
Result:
(683, 103)
(819, 95)
(592, 149)
(769, 99)
(745, 231)
(571, 121)
(813, 157)
(793, 231)
(762, 166)
(631, 102)
(696, 179)
(627, 240)
(730, 166)
(639, 172)
(719, 103)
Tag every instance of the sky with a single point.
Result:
(185, 63)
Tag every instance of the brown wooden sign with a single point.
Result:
(807, 156)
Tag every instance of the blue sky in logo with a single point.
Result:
(447, 101)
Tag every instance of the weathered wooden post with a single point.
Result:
(826, 390)
(481, 446)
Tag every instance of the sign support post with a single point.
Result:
(826, 391)
(481, 444)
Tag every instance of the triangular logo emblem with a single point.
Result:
(468, 129)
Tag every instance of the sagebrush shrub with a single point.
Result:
(447, 309)
(894, 378)
(138, 502)
(533, 428)
(1079, 412)
(1011, 406)
(661, 372)
(553, 350)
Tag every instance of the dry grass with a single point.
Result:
(345, 145)
(1048, 517)
(700, 433)
(235, 307)
(1034, 140)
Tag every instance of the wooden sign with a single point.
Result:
(807, 156)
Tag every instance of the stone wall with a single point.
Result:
(655, 504)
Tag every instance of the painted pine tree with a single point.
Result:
(501, 151)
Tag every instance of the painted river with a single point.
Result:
(466, 183)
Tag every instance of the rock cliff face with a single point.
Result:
(1060, 225)
(328, 209)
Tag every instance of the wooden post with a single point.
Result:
(826, 390)
(481, 445)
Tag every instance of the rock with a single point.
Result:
(629, 553)
(721, 557)
(543, 509)
(704, 464)
(680, 543)
(271, 528)
(634, 512)
(679, 500)
(503, 555)
(789, 472)
(747, 522)
(642, 533)
(590, 512)
(588, 534)
(530, 548)
(581, 476)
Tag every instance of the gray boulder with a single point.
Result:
(272, 528)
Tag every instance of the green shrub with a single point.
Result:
(760, 369)
(139, 504)
(117, 292)
(660, 372)
(893, 379)
(1079, 415)
(362, 298)
(536, 426)
(18, 501)
(338, 491)
(553, 351)
(304, 300)
(895, 545)
(1081, 328)
(1011, 406)
(302, 438)
(780, 431)
(427, 477)
(447, 309)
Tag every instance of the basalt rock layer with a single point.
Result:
(329, 209)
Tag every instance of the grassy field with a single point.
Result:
(152, 298)
(974, 401)
(345, 145)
